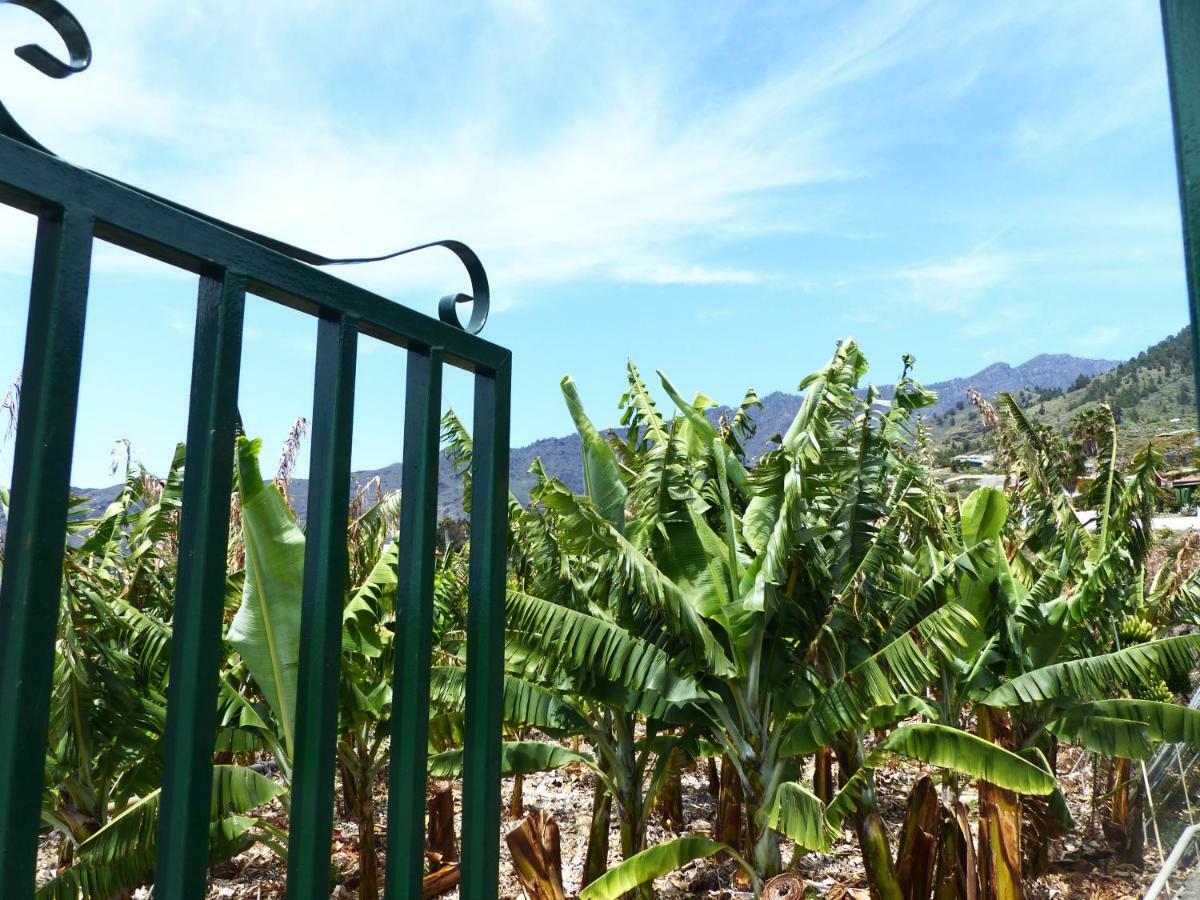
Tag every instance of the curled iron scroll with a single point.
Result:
(79, 49)
(479, 298)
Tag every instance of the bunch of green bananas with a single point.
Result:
(1158, 692)
(1134, 630)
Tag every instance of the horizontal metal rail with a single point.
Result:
(38, 183)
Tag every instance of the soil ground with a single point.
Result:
(1084, 866)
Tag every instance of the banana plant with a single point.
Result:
(1048, 665)
(108, 701)
(121, 855)
(265, 633)
(733, 575)
(108, 715)
(848, 526)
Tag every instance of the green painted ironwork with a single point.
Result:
(414, 626)
(1181, 34)
(37, 524)
(485, 635)
(200, 586)
(321, 616)
(74, 207)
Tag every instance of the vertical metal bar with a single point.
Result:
(414, 625)
(183, 823)
(1181, 34)
(30, 594)
(485, 636)
(325, 573)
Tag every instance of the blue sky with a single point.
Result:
(719, 190)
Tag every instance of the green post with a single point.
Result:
(414, 625)
(325, 572)
(200, 590)
(1181, 34)
(29, 596)
(485, 636)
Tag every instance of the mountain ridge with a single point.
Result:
(1150, 394)
(562, 456)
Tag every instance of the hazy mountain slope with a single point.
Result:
(1151, 390)
(1151, 393)
(561, 455)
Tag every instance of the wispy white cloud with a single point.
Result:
(1090, 118)
(953, 285)
(626, 166)
(669, 273)
(1104, 80)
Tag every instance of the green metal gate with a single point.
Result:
(75, 207)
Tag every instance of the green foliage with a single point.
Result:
(121, 854)
(516, 758)
(266, 629)
(799, 815)
(650, 864)
(601, 473)
(950, 748)
(687, 601)
(1144, 664)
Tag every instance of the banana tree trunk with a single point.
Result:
(440, 882)
(537, 856)
(630, 815)
(357, 772)
(762, 843)
(728, 826)
(957, 876)
(349, 797)
(368, 864)
(439, 828)
(868, 825)
(1134, 845)
(714, 778)
(670, 798)
(999, 820)
(916, 853)
(1118, 815)
(516, 803)
(1040, 826)
(823, 775)
(596, 862)
(631, 844)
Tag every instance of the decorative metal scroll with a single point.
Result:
(80, 51)
(78, 46)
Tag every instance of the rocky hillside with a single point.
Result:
(1151, 393)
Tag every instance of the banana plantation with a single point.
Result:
(846, 662)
